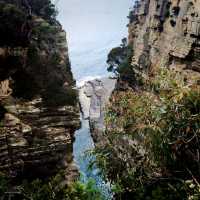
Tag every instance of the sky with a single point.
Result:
(93, 28)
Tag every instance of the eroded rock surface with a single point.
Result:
(37, 139)
(166, 33)
(38, 106)
(94, 96)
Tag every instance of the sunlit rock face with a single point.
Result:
(38, 105)
(94, 95)
(166, 33)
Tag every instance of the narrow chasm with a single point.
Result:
(82, 150)
(93, 96)
(102, 120)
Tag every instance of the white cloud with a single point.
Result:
(93, 27)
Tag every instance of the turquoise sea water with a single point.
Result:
(84, 143)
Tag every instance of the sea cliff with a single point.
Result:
(149, 148)
(38, 106)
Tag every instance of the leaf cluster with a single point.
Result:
(154, 138)
(52, 189)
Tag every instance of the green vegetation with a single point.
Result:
(12, 19)
(132, 17)
(53, 189)
(55, 95)
(44, 8)
(119, 62)
(153, 134)
(35, 65)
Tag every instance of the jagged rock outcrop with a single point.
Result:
(165, 33)
(94, 95)
(38, 105)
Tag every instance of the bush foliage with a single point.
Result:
(52, 189)
(12, 19)
(119, 62)
(153, 134)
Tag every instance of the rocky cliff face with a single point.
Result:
(165, 33)
(94, 96)
(149, 121)
(38, 105)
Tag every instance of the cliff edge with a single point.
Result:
(38, 105)
(152, 120)
(165, 33)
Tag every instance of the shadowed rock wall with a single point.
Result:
(38, 105)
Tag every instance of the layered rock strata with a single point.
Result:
(38, 105)
(37, 140)
(165, 33)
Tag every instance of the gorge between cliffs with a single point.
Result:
(128, 127)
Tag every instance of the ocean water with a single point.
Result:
(82, 145)
(93, 28)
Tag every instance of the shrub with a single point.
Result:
(25, 85)
(52, 189)
(3, 184)
(119, 62)
(44, 8)
(12, 18)
(153, 139)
